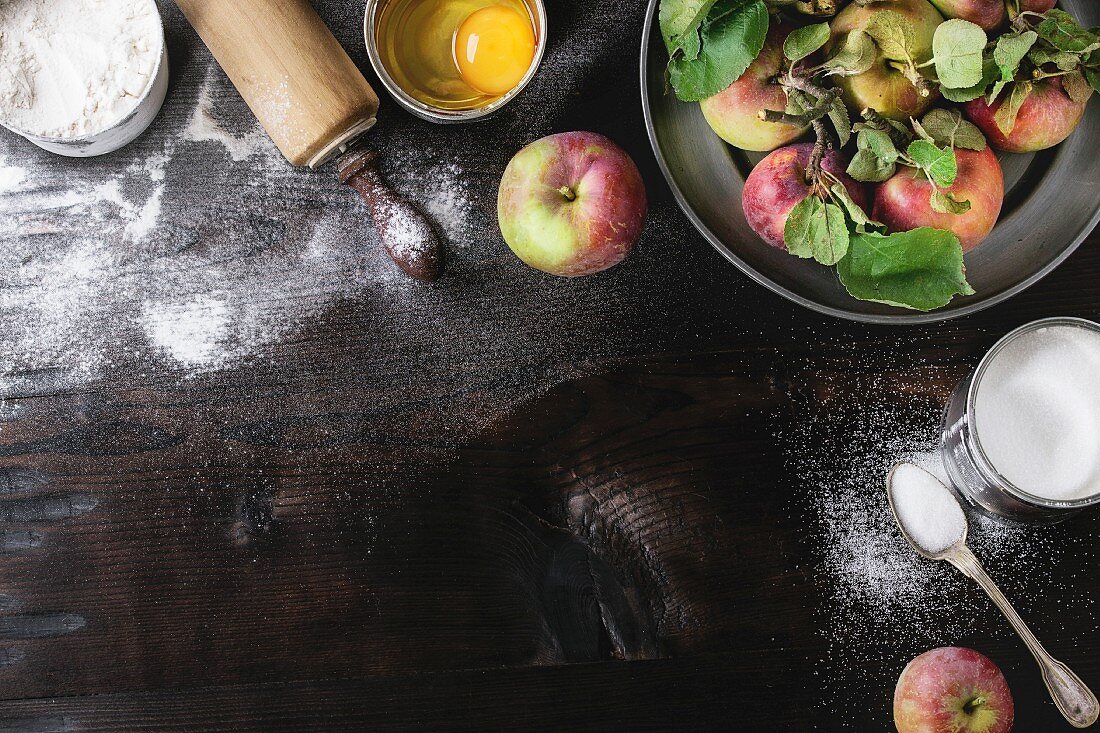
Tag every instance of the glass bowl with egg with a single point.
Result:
(455, 60)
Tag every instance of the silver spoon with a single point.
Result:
(1072, 696)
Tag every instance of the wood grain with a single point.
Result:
(523, 505)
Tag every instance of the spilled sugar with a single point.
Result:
(882, 603)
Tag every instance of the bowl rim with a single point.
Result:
(902, 318)
(439, 114)
(159, 68)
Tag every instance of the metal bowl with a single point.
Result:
(1051, 203)
(440, 114)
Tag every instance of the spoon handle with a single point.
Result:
(1072, 697)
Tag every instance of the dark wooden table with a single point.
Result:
(504, 502)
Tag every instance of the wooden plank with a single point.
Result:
(666, 695)
(506, 502)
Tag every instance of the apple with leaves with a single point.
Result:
(1045, 116)
(953, 690)
(902, 31)
(903, 202)
(734, 114)
(988, 14)
(781, 181)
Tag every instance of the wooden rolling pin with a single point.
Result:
(314, 103)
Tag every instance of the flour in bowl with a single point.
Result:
(74, 68)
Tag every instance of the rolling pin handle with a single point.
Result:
(406, 234)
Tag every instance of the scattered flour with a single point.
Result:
(145, 260)
(191, 332)
(72, 68)
(103, 258)
(11, 178)
(204, 126)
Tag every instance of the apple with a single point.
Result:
(572, 204)
(952, 690)
(734, 113)
(902, 201)
(989, 14)
(884, 87)
(778, 183)
(1046, 118)
(1033, 6)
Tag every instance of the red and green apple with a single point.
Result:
(902, 201)
(952, 690)
(734, 113)
(778, 183)
(884, 87)
(572, 204)
(1045, 119)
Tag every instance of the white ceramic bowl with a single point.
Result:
(124, 130)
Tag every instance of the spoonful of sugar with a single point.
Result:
(933, 522)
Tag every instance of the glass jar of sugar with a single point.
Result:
(1021, 434)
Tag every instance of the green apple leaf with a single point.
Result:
(842, 123)
(957, 48)
(938, 163)
(857, 217)
(878, 142)
(948, 128)
(816, 229)
(945, 203)
(869, 168)
(1077, 87)
(1093, 78)
(1005, 116)
(856, 55)
(876, 155)
(893, 33)
(730, 39)
(990, 73)
(920, 269)
(1010, 51)
(1061, 30)
(801, 42)
(680, 20)
(1065, 61)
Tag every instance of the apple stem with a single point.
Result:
(901, 139)
(825, 98)
(805, 85)
(813, 170)
(823, 103)
(568, 193)
(973, 704)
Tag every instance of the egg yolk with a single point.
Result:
(494, 48)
